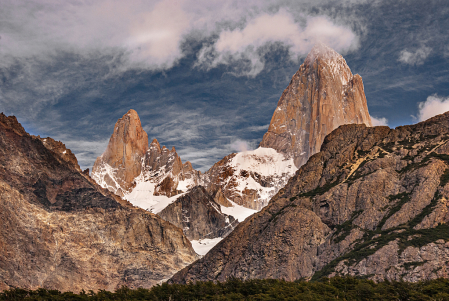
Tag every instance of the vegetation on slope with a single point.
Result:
(347, 288)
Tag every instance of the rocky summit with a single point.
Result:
(60, 230)
(322, 95)
(120, 164)
(372, 203)
(136, 171)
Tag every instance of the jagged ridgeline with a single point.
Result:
(371, 203)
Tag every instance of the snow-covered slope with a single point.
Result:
(143, 196)
(249, 178)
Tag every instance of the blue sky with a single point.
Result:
(205, 76)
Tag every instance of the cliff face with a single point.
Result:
(198, 215)
(62, 231)
(372, 203)
(129, 161)
(322, 95)
(121, 162)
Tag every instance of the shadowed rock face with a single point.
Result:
(60, 230)
(198, 215)
(372, 203)
(322, 95)
(127, 145)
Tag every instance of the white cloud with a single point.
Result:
(151, 33)
(258, 128)
(248, 44)
(434, 105)
(241, 146)
(415, 58)
(379, 121)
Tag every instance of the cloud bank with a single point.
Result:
(249, 44)
(150, 34)
(434, 105)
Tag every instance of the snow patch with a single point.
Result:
(203, 246)
(261, 162)
(142, 196)
(185, 185)
(265, 161)
(240, 213)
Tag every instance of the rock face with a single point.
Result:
(198, 215)
(128, 161)
(322, 95)
(164, 167)
(371, 203)
(121, 163)
(59, 148)
(62, 231)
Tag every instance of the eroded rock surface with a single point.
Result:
(371, 203)
(121, 162)
(199, 216)
(62, 231)
(322, 95)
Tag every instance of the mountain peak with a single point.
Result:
(321, 51)
(127, 142)
(322, 95)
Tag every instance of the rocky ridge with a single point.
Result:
(371, 203)
(60, 230)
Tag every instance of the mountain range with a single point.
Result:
(324, 194)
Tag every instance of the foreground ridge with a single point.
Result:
(60, 230)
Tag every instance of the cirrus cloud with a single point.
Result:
(416, 57)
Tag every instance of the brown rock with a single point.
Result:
(127, 145)
(60, 149)
(321, 96)
(61, 231)
(198, 215)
